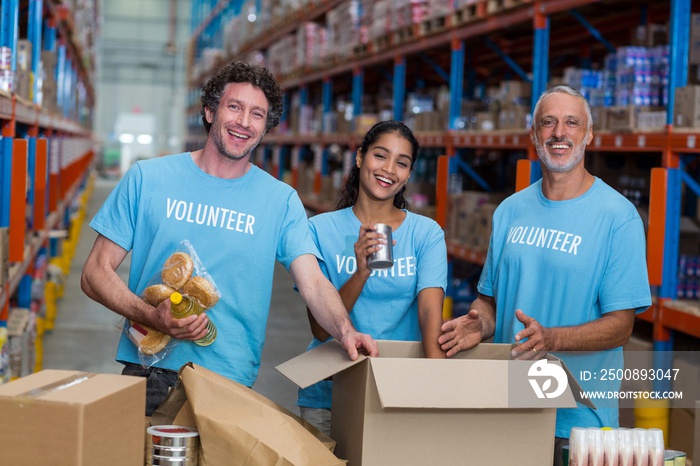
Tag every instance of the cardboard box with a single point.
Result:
(72, 418)
(696, 435)
(626, 118)
(21, 330)
(486, 121)
(687, 107)
(401, 408)
(694, 50)
(681, 430)
(649, 35)
(600, 118)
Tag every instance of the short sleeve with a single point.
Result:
(295, 238)
(116, 219)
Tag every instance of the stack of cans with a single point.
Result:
(172, 446)
(6, 75)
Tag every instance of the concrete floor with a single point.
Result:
(86, 333)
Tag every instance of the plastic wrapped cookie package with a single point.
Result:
(183, 272)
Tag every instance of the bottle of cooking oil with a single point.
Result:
(183, 306)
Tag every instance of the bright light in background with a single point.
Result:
(144, 139)
(252, 17)
(126, 138)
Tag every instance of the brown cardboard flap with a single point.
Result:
(432, 383)
(318, 364)
(238, 426)
(574, 386)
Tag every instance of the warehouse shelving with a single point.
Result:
(47, 146)
(507, 34)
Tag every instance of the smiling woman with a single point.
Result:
(403, 302)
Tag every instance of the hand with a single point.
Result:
(462, 333)
(368, 242)
(539, 339)
(187, 328)
(356, 342)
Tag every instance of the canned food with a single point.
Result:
(165, 461)
(6, 58)
(7, 80)
(172, 436)
(174, 452)
(384, 257)
(172, 445)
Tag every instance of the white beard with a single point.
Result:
(551, 162)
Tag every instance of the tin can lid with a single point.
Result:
(172, 431)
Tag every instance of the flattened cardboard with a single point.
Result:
(402, 409)
(238, 426)
(72, 418)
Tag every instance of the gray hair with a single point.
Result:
(563, 90)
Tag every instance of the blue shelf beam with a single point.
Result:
(679, 39)
(592, 30)
(669, 282)
(437, 68)
(9, 32)
(358, 84)
(36, 8)
(5, 180)
(456, 82)
(327, 102)
(457, 164)
(540, 57)
(506, 58)
(399, 87)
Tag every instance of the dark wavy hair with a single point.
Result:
(348, 196)
(239, 72)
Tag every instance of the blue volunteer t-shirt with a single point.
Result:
(387, 308)
(238, 228)
(566, 263)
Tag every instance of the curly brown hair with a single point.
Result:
(240, 72)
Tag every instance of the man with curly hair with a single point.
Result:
(238, 219)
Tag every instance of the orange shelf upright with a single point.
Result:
(18, 200)
(39, 200)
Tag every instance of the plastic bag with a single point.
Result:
(183, 272)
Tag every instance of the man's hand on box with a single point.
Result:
(356, 343)
(534, 340)
(462, 333)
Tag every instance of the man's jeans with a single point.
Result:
(158, 384)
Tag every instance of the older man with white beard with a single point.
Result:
(566, 265)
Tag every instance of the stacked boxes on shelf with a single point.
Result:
(343, 25)
(21, 330)
(23, 71)
(311, 44)
(631, 91)
(694, 45)
(469, 221)
(687, 107)
(49, 87)
(641, 88)
(689, 276)
(514, 98)
(4, 356)
(4, 255)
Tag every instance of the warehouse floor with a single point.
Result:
(85, 333)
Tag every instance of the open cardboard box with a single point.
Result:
(479, 407)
